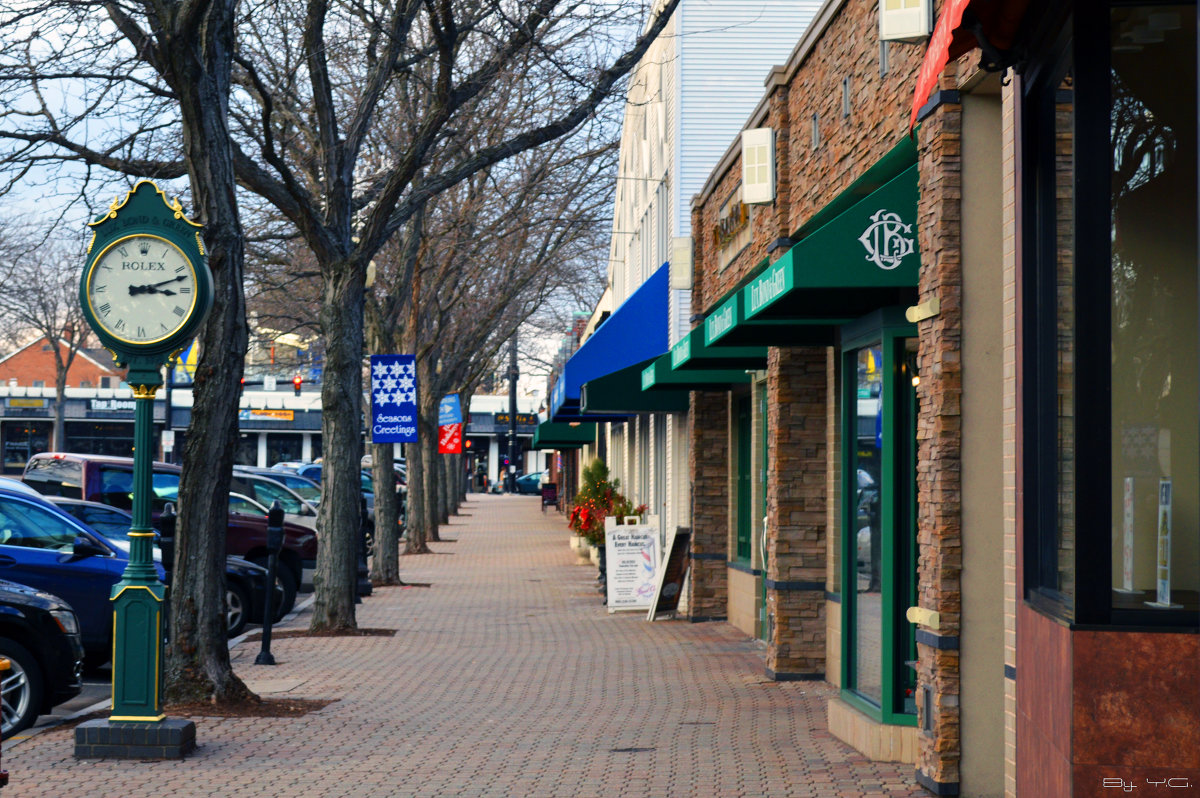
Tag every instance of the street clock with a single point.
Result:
(145, 287)
(145, 290)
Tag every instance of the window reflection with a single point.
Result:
(1155, 485)
(868, 624)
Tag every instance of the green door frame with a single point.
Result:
(764, 621)
(888, 329)
(743, 537)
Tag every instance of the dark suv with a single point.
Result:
(109, 480)
(39, 634)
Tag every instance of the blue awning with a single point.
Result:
(636, 332)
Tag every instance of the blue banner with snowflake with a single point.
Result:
(393, 398)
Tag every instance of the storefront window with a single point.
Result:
(23, 439)
(247, 449)
(879, 515)
(1155, 395)
(867, 522)
(283, 446)
(1111, 386)
(114, 438)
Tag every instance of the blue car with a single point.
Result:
(45, 548)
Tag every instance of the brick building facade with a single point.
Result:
(839, 114)
(34, 363)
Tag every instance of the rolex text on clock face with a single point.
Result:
(142, 288)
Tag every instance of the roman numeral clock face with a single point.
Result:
(142, 289)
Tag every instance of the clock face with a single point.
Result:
(141, 289)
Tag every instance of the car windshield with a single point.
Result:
(306, 490)
(243, 505)
(267, 491)
(23, 524)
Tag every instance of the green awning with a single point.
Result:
(864, 259)
(690, 353)
(560, 435)
(727, 327)
(659, 376)
(621, 392)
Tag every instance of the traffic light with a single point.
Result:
(297, 381)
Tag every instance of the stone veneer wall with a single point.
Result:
(708, 463)
(939, 442)
(796, 512)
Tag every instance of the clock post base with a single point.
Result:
(170, 738)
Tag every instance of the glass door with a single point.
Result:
(879, 529)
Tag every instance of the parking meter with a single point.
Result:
(166, 536)
(274, 546)
(275, 529)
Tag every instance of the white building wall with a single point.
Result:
(688, 97)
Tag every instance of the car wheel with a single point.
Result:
(21, 689)
(237, 608)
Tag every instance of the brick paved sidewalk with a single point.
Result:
(506, 677)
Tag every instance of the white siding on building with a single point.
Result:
(727, 48)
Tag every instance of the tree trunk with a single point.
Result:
(385, 564)
(339, 514)
(60, 399)
(415, 520)
(457, 466)
(197, 664)
(444, 488)
(427, 440)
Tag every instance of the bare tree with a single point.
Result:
(311, 82)
(39, 298)
(89, 90)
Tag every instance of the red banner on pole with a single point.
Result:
(450, 439)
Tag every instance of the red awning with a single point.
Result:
(999, 20)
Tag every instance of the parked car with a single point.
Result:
(48, 549)
(39, 636)
(303, 487)
(313, 471)
(245, 582)
(109, 480)
(530, 483)
(247, 537)
(265, 491)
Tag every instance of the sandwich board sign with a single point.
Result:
(631, 564)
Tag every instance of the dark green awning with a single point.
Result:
(621, 392)
(866, 258)
(659, 376)
(690, 353)
(561, 435)
(727, 327)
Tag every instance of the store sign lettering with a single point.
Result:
(767, 289)
(719, 323)
(125, 405)
(734, 218)
(681, 352)
(647, 378)
(888, 240)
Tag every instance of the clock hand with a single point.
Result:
(152, 288)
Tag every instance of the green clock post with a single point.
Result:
(145, 290)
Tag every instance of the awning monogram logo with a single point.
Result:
(887, 240)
